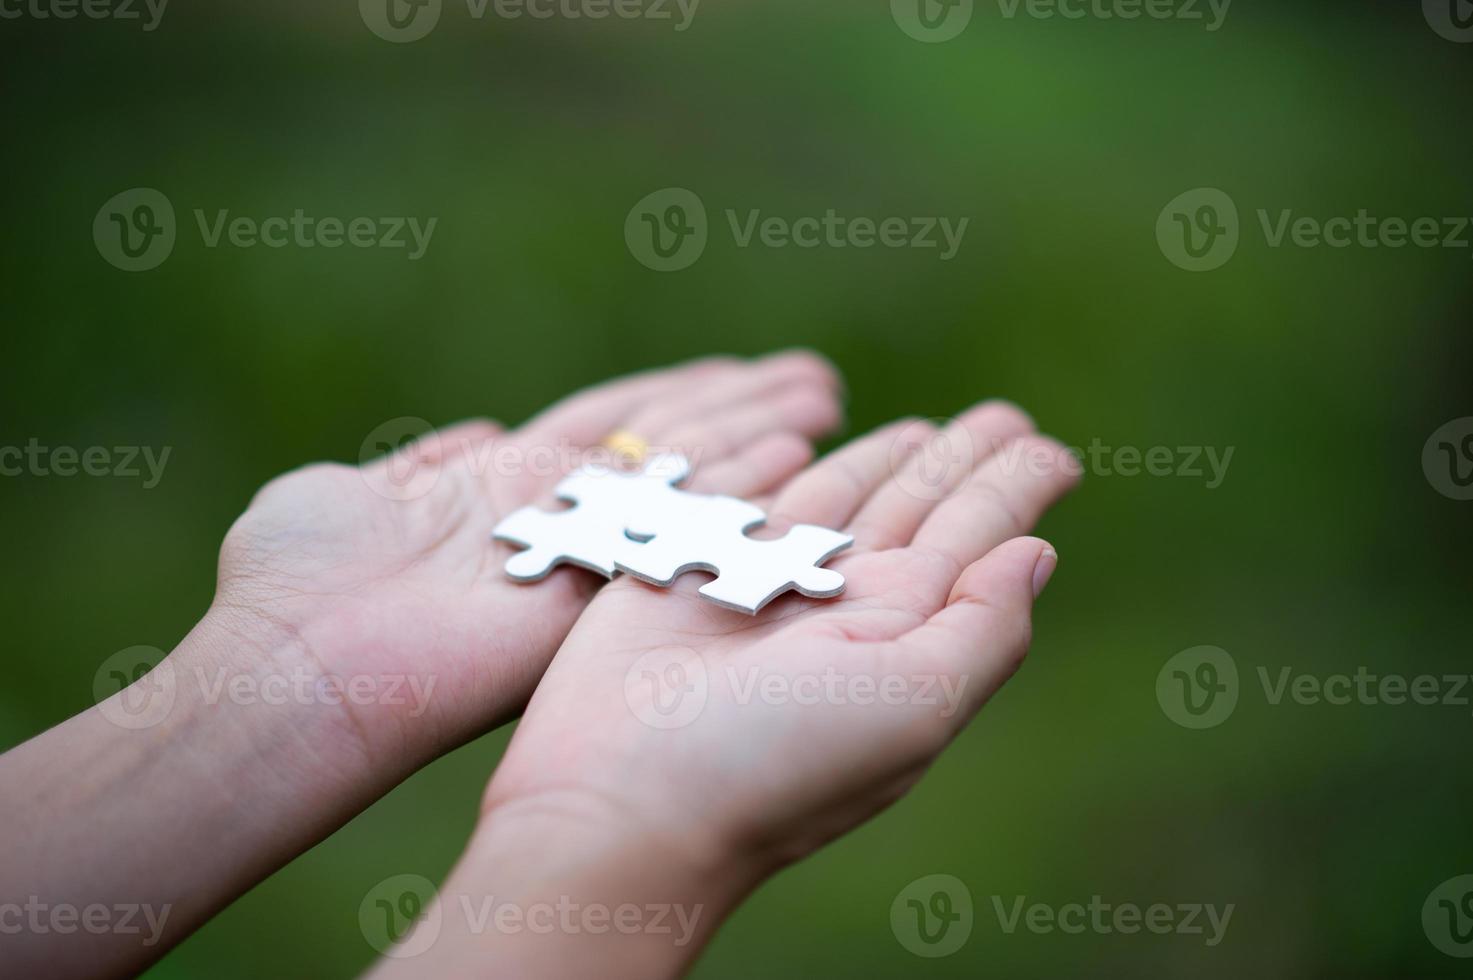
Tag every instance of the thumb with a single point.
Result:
(983, 632)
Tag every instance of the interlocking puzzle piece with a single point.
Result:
(641, 523)
(591, 533)
(710, 534)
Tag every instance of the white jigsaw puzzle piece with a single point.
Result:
(699, 532)
(643, 524)
(590, 534)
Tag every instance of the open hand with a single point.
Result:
(762, 738)
(390, 569)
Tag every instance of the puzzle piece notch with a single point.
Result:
(589, 534)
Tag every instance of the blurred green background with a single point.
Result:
(1324, 549)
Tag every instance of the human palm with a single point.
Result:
(389, 570)
(775, 733)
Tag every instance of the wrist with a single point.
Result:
(173, 794)
(594, 830)
(254, 691)
(571, 884)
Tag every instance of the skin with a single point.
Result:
(594, 805)
(388, 570)
(340, 571)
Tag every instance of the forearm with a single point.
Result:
(166, 814)
(564, 889)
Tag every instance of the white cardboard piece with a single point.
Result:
(642, 524)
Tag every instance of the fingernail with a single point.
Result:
(1044, 570)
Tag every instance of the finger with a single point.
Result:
(1003, 498)
(767, 463)
(982, 634)
(829, 493)
(438, 445)
(889, 519)
(463, 439)
(585, 417)
(802, 408)
(753, 380)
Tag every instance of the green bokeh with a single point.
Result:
(1326, 370)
